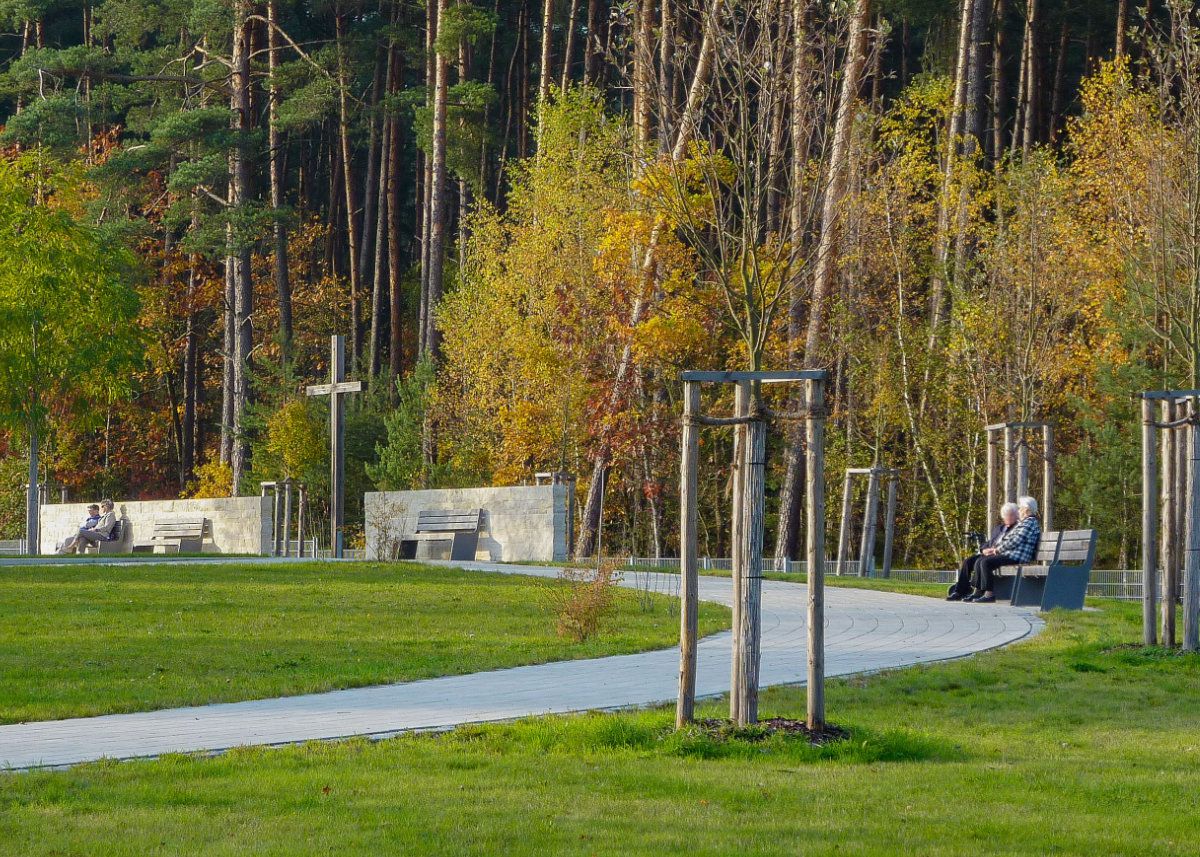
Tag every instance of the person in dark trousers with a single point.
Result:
(101, 532)
(961, 587)
(1017, 546)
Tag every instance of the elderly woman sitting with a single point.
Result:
(961, 587)
(1017, 546)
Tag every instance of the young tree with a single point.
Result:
(67, 336)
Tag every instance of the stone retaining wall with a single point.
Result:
(239, 524)
(525, 523)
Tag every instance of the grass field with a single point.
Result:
(1074, 742)
(84, 640)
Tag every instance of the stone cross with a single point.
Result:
(337, 387)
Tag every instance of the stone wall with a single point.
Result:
(239, 524)
(520, 524)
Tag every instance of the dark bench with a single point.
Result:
(176, 535)
(1058, 575)
(460, 527)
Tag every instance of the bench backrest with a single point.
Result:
(186, 527)
(448, 521)
(1067, 547)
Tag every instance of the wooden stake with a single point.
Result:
(814, 499)
(689, 582)
(1047, 478)
(1022, 452)
(844, 527)
(1149, 522)
(993, 489)
(1168, 539)
(738, 543)
(866, 549)
(752, 521)
(1010, 478)
(889, 526)
(1191, 579)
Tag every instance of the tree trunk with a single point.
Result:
(369, 227)
(569, 46)
(379, 288)
(547, 40)
(791, 498)
(643, 73)
(33, 506)
(1056, 94)
(998, 85)
(240, 177)
(395, 268)
(352, 230)
(1033, 80)
(590, 519)
(283, 289)
(592, 51)
(437, 198)
(1122, 19)
(835, 186)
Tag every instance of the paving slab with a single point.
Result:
(865, 631)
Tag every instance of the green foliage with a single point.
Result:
(401, 461)
(462, 22)
(67, 337)
(466, 128)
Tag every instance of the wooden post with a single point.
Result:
(287, 516)
(752, 520)
(889, 526)
(1181, 492)
(276, 522)
(1047, 477)
(1191, 579)
(737, 548)
(844, 527)
(1010, 477)
(1149, 523)
(1168, 539)
(1022, 452)
(815, 513)
(993, 489)
(689, 583)
(866, 550)
(300, 513)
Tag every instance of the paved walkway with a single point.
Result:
(865, 631)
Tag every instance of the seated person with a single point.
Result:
(101, 532)
(1017, 546)
(961, 587)
(93, 518)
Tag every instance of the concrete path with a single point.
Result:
(865, 631)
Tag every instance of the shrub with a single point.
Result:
(582, 599)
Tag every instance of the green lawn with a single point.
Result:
(86, 640)
(1070, 743)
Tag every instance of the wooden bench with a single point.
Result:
(460, 527)
(1058, 576)
(120, 543)
(176, 535)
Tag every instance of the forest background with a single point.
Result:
(528, 217)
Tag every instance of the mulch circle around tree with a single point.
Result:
(726, 730)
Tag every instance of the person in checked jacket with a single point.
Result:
(1017, 546)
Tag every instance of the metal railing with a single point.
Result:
(12, 547)
(1122, 585)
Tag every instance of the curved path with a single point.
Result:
(865, 631)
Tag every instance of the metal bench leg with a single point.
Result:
(1065, 588)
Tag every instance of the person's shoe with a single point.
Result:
(971, 598)
(986, 598)
(954, 595)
